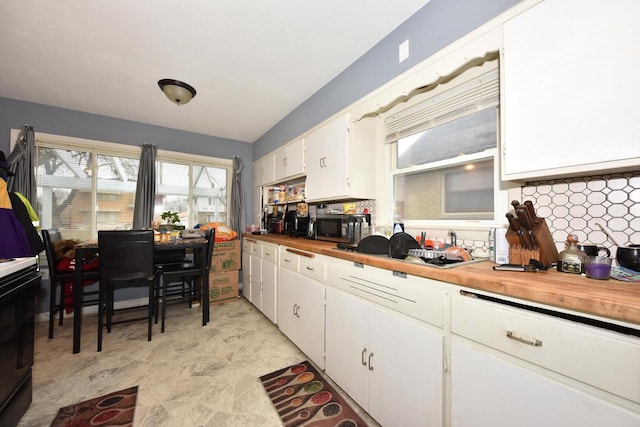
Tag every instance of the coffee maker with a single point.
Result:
(296, 225)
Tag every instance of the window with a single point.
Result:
(197, 192)
(442, 151)
(85, 186)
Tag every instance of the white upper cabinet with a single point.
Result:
(340, 160)
(264, 171)
(258, 172)
(570, 89)
(269, 171)
(289, 161)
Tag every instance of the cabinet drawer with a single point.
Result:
(246, 245)
(413, 296)
(270, 252)
(288, 259)
(604, 359)
(314, 268)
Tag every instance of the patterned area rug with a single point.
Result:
(109, 410)
(303, 397)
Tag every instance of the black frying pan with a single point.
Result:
(374, 244)
(400, 243)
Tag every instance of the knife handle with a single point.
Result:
(532, 211)
(517, 227)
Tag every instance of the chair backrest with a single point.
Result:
(54, 235)
(49, 249)
(126, 255)
(210, 234)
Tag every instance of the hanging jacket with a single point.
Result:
(21, 211)
(13, 237)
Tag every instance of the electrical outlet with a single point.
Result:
(403, 51)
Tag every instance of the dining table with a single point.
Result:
(90, 247)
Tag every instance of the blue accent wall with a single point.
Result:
(59, 121)
(438, 24)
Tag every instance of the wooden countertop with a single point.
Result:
(610, 299)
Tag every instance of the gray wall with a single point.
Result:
(14, 114)
(435, 26)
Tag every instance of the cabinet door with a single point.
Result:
(269, 288)
(289, 161)
(406, 372)
(255, 294)
(287, 304)
(258, 173)
(269, 171)
(327, 151)
(567, 107)
(489, 391)
(311, 319)
(346, 341)
(246, 272)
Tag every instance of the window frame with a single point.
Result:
(117, 149)
(390, 156)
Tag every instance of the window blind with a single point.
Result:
(473, 95)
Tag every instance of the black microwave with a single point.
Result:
(341, 228)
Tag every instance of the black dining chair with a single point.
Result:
(57, 280)
(189, 273)
(126, 261)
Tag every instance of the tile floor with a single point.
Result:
(188, 376)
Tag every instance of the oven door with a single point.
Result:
(17, 311)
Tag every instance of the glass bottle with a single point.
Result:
(571, 260)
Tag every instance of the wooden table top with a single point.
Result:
(610, 299)
(168, 244)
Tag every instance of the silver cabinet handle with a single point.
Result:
(286, 260)
(364, 362)
(295, 309)
(267, 253)
(310, 268)
(370, 364)
(531, 342)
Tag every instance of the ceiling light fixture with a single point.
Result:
(177, 91)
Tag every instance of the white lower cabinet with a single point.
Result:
(301, 304)
(246, 267)
(512, 367)
(261, 287)
(391, 366)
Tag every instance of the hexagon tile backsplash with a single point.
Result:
(578, 205)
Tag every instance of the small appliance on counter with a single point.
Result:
(274, 221)
(342, 228)
(296, 222)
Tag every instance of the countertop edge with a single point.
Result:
(608, 299)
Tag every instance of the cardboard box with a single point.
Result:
(226, 256)
(223, 286)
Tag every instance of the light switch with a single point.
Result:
(403, 51)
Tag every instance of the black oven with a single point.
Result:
(17, 311)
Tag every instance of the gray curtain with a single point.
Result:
(237, 196)
(22, 161)
(146, 188)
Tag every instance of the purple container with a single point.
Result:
(598, 267)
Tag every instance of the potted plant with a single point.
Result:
(171, 220)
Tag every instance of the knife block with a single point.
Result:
(547, 253)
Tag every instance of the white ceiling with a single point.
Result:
(251, 61)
